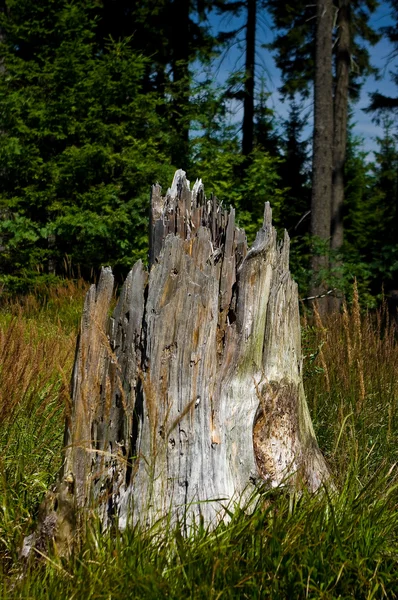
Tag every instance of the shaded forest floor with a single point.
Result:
(317, 546)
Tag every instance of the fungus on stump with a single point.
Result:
(190, 395)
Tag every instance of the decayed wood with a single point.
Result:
(190, 395)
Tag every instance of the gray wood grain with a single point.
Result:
(190, 395)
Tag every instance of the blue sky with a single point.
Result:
(266, 69)
(381, 58)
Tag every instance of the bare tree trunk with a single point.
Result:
(248, 102)
(181, 78)
(343, 59)
(190, 396)
(323, 145)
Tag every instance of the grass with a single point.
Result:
(37, 342)
(351, 380)
(344, 546)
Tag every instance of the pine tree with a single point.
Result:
(172, 35)
(295, 55)
(370, 221)
(363, 214)
(294, 173)
(265, 134)
(322, 161)
(81, 142)
(386, 189)
(245, 81)
(231, 178)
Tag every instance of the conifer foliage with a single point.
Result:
(81, 141)
(100, 99)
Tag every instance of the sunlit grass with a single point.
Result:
(352, 387)
(329, 545)
(37, 343)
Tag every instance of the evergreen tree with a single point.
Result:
(386, 191)
(172, 35)
(81, 142)
(295, 174)
(243, 84)
(322, 160)
(248, 101)
(362, 218)
(361, 222)
(227, 172)
(370, 221)
(294, 43)
(295, 55)
(265, 134)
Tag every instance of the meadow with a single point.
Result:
(327, 545)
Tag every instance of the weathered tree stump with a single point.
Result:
(190, 395)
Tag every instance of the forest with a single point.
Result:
(99, 101)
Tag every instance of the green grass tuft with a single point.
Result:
(309, 546)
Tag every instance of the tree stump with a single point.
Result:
(190, 395)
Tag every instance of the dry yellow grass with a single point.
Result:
(37, 343)
(352, 383)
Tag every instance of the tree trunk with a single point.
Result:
(248, 102)
(343, 58)
(323, 146)
(181, 82)
(190, 396)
